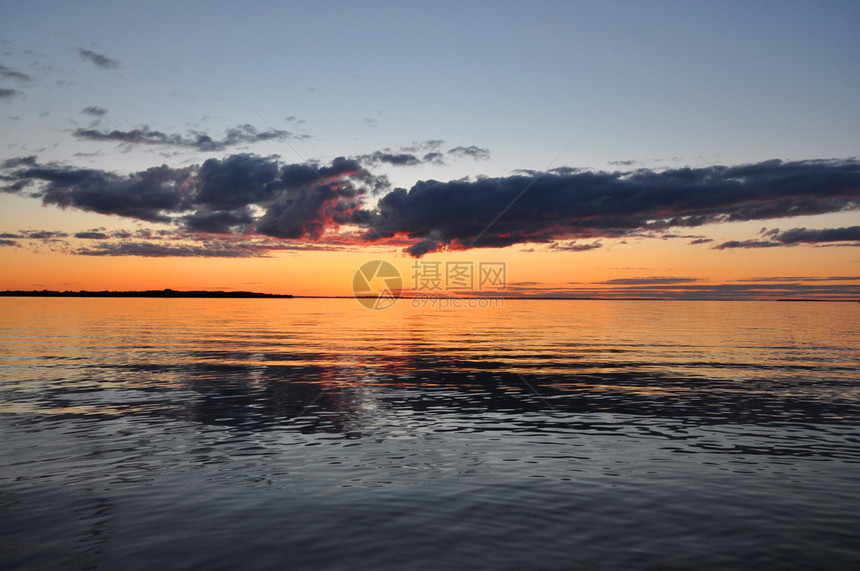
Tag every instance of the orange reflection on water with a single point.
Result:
(91, 346)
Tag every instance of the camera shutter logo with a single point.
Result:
(377, 285)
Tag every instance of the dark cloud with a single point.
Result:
(472, 152)
(247, 193)
(569, 204)
(434, 158)
(803, 235)
(219, 196)
(240, 180)
(395, 159)
(5, 242)
(147, 195)
(134, 137)
(94, 111)
(734, 244)
(796, 236)
(19, 162)
(92, 235)
(241, 135)
(307, 206)
(300, 175)
(219, 221)
(422, 247)
(6, 93)
(44, 234)
(8, 73)
(98, 59)
(701, 241)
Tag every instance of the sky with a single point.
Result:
(705, 150)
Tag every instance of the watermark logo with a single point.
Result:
(435, 285)
(442, 301)
(458, 276)
(377, 284)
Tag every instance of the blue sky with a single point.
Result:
(690, 83)
(603, 86)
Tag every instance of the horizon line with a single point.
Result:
(239, 294)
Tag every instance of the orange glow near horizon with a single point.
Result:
(531, 270)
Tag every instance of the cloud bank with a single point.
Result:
(248, 193)
(219, 196)
(566, 203)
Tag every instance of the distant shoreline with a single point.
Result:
(168, 293)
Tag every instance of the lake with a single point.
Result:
(315, 433)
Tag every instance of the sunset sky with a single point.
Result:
(641, 149)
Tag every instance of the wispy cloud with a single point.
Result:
(650, 280)
(98, 59)
(185, 245)
(395, 159)
(735, 244)
(429, 151)
(423, 146)
(796, 236)
(9, 73)
(94, 111)
(795, 279)
(44, 234)
(576, 247)
(155, 250)
(243, 134)
(471, 152)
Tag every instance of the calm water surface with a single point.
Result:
(139, 433)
